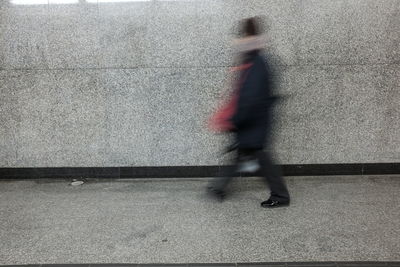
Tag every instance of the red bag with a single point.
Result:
(220, 120)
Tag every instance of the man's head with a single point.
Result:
(250, 35)
(250, 27)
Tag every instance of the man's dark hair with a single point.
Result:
(250, 27)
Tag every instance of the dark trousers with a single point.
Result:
(268, 170)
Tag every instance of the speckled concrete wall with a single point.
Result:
(130, 83)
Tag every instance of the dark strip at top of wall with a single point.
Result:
(193, 171)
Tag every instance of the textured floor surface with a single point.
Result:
(247, 264)
(336, 218)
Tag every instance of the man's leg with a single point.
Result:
(218, 185)
(273, 177)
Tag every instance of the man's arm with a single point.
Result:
(249, 96)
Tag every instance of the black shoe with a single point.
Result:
(217, 193)
(274, 203)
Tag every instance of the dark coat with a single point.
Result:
(252, 118)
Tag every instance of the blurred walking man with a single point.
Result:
(251, 119)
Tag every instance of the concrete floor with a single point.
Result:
(346, 218)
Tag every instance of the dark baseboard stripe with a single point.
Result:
(193, 171)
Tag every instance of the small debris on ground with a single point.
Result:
(76, 182)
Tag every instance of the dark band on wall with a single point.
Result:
(192, 171)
